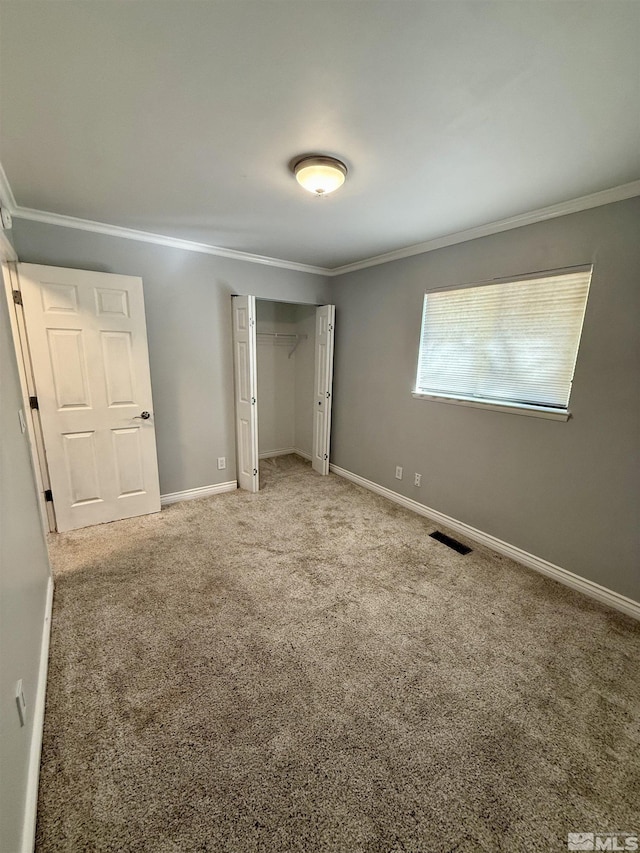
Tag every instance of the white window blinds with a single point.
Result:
(513, 343)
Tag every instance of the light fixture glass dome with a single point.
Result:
(320, 175)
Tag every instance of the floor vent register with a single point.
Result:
(451, 543)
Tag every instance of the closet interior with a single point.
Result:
(285, 355)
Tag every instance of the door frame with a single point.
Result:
(11, 283)
(246, 304)
(323, 396)
(27, 387)
(253, 368)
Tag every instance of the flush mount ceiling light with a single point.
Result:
(320, 175)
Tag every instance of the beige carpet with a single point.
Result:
(306, 670)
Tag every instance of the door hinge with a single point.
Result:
(33, 402)
(253, 401)
(17, 297)
(255, 471)
(325, 457)
(330, 327)
(328, 394)
(48, 495)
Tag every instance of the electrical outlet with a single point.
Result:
(417, 479)
(21, 702)
(398, 472)
(222, 462)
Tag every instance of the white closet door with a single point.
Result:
(246, 390)
(325, 322)
(88, 343)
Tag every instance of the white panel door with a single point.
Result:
(323, 387)
(88, 342)
(246, 390)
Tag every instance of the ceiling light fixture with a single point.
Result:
(320, 175)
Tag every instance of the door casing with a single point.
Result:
(27, 388)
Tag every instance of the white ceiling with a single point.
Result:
(181, 117)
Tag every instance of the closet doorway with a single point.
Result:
(283, 365)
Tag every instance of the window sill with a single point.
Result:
(508, 408)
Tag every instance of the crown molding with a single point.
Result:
(159, 239)
(48, 218)
(575, 205)
(620, 193)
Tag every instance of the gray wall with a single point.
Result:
(188, 308)
(24, 576)
(566, 492)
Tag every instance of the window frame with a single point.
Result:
(532, 410)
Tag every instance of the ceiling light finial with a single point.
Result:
(320, 175)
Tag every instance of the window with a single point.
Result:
(510, 344)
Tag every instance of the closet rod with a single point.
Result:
(281, 335)
(284, 336)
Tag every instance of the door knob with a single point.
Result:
(144, 415)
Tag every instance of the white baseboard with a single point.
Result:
(296, 450)
(267, 454)
(200, 492)
(593, 590)
(33, 775)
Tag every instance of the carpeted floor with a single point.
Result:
(306, 670)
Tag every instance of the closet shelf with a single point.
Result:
(282, 338)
